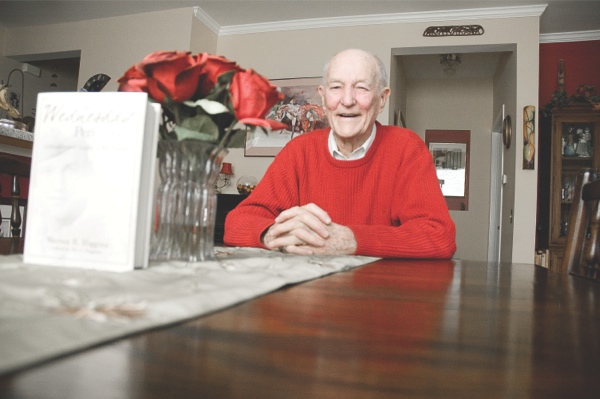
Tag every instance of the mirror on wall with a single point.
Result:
(450, 152)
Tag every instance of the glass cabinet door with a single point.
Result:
(576, 152)
(577, 141)
(575, 145)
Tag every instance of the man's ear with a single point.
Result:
(321, 91)
(385, 94)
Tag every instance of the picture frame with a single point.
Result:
(300, 110)
(529, 137)
(450, 150)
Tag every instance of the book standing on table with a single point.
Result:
(92, 175)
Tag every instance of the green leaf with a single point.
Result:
(237, 140)
(225, 78)
(199, 127)
(183, 134)
(222, 95)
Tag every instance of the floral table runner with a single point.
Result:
(47, 312)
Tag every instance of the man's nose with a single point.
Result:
(348, 97)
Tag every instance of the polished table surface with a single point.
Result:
(391, 329)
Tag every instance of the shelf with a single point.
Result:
(577, 160)
(566, 126)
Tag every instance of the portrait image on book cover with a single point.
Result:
(74, 200)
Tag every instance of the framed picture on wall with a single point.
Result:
(450, 150)
(301, 111)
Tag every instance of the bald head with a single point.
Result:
(354, 92)
(358, 55)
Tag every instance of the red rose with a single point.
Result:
(172, 73)
(133, 80)
(214, 66)
(253, 96)
(181, 76)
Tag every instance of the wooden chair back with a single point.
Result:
(582, 252)
(12, 241)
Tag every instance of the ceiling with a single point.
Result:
(559, 16)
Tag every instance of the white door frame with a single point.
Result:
(496, 190)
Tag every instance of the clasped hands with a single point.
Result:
(308, 230)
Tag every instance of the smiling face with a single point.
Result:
(353, 96)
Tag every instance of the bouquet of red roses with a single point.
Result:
(204, 97)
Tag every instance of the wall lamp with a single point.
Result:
(224, 178)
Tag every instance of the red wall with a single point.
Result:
(581, 66)
(6, 181)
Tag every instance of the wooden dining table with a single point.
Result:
(389, 329)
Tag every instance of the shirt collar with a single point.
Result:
(357, 153)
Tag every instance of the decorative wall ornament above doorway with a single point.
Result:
(456, 30)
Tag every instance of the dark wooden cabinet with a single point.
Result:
(575, 146)
(225, 203)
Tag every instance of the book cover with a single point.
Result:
(92, 175)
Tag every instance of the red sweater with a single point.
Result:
(390, 199)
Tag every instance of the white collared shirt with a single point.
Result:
(356, 154)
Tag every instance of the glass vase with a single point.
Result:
(186, 200)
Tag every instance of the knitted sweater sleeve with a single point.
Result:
(245, 224)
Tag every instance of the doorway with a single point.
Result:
(468, 99)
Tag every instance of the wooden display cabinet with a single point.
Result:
(575, 146)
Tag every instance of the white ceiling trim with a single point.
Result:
(375, 19)
(207, 20)
(580, 36)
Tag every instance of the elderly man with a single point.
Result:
(358, 187)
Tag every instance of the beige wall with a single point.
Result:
(3, 36)
(111, 45)
(290, 54)
(505, 94)
(527, 88)
(107, 45)
(460, 104)
(203, 40)
(398, 83)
